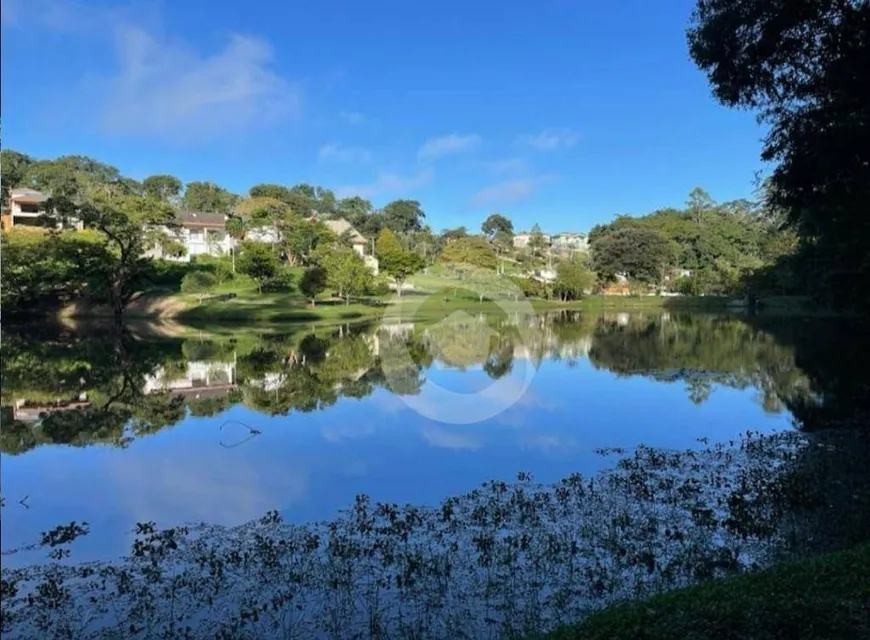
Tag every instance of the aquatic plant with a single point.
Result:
(505, 560)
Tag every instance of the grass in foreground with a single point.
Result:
(821, 597)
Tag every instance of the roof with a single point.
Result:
(201, 219)
(340, 226)
(23, 194)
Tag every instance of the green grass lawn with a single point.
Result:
(818, 598)
(435, 294)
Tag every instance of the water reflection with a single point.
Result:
(219, 429)
(82, 389)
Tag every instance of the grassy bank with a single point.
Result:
(821, 597)
(239, 301)
(432, 296)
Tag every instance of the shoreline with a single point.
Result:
(277, 309)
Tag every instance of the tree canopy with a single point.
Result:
(470, 250)
(639, 254)
(803, 67)
(495, 224)
(404, 216)
(208, 197)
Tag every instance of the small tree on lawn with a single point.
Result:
(313, 282)
(396, 261)
(198, 283)
(572, 279)
(258, 261)
(346, 271)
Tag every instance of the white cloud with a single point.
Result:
(387, 182)
(165, 89)
(551, 139)
(507, 166)
(338, 153)
(448, 439)
(446, 145)
(352, 117)
(56, 15)
(510, 190)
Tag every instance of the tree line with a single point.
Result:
(802, 67)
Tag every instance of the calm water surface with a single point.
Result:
(223, 426)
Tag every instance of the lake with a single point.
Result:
(470, 414)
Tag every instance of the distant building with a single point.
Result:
(341, 226)
(521, 240)
(201, 233)
(358, 241)
(569, 242)
(199, 379)
(27, 209)
(676, 274)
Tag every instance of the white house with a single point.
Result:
(358, 241)
(570, 242)
(201, 233)
(200, 378)
(27, 209)
(521, 240)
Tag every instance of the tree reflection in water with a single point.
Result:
(505, 559)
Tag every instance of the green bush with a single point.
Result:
(198, 283)
(380, 286)
(281, 282)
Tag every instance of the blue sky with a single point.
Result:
(562, 112)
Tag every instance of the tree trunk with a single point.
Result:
(313, 303)
(233, 253)
(399, 287)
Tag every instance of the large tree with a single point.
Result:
(404, 216)
(129, 225)
(13, 167)
(802, 65)
(302, 237)
(209, 197)
(163, 187)
(495, 224)
(471, 250)
(353, 207)
(397, 262)
(639, 254)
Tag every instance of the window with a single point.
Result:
(29, 207)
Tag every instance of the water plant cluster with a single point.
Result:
(508, 559)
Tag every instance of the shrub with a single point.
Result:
(198, 283)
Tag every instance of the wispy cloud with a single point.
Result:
(510, 191)
(55, 15)
(387, 182)
(352, 117)
(338, 153)
(507, 166)
(448, 439)
(551, 139)
(447, 145)
(163, 89)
